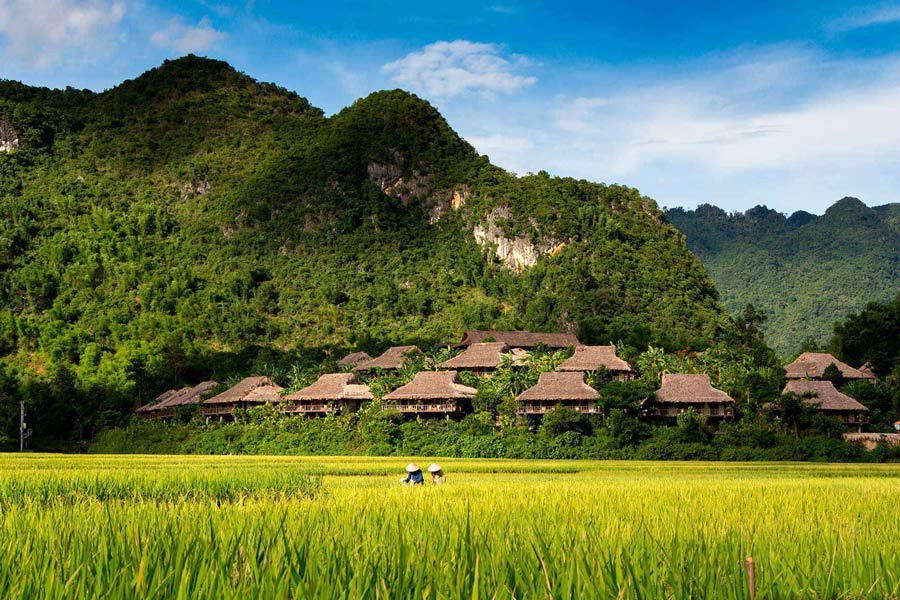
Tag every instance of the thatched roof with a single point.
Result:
(333, 386)
(484, 355)
(591, 358)
(560, 386)
(812, 365)
(183, 397)
(240, 391)
(519, 339)
(390, 360)
(827, 397)
(353, 359)
(264, 394)
(689, 389)
(868, 371)
(433, 385)
(153, 404)
(190, 395)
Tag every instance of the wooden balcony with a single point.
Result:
(713, 411)
(429, 407)
(318, 407)
(586, 408)
(217, 410)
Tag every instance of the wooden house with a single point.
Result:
(433, 393)
(483, 358)
(391, 360)
(812, 365)
(249, 392)
(331, 393)
(682, 392)
(354, 359)
(168, 406)
(592, 358)
(147, 410)
(552, 389)
(828, 400)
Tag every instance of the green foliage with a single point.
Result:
(561, 419)
(194, 223)
(806, 272)
(871, 336)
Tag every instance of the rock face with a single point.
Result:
(515, 254)
(9, 139)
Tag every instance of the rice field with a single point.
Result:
(281, 527)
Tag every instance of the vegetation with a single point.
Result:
(194, 223)
(767, 425)
(497, 529)
(805, 271)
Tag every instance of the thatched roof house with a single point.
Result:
(354, 359)
(812, 365)
(829, 400)
(591, 358)
(150, 406)
(264, 394)
(568, 389)
(333, 392)
(391, 360)
(519, 339)
(868, 371)
(433, 393)
(681, 392)
(240, 396)
(183, 397)
(483, 357)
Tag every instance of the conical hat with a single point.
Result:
(434, 468)
(412, 468)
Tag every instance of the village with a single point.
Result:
(441, 393)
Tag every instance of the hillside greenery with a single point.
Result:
(806, 272)
(194, 223)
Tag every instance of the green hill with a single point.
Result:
(196, 223)
(806, 271)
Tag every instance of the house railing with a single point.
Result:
(540, 409)
(430, 407)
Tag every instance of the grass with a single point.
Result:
(278, 527)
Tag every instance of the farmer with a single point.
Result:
(414, 475)
(437, 474)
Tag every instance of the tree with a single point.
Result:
(833, 374)
(561, 419)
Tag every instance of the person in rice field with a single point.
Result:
(437, 474)
(413, 475)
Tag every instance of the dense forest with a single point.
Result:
(806, 272)
(194, 223)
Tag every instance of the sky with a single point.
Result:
(789, 104)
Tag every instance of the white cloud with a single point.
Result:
(790, 127)
(507, 150)
(185, 38)
(43, 33)
(721, 130)
(882, 15)
(447, 69)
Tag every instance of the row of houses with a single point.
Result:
(441, 393)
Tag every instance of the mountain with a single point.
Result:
(806, 271)
(196, 223)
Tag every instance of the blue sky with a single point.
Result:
(731, 103)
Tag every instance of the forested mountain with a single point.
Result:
(805, 271)
(195, 223)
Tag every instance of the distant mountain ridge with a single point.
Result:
(805, 271)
